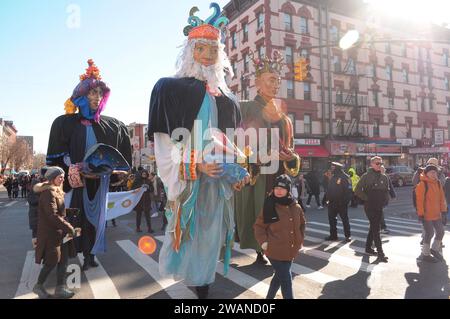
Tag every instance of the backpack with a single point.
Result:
(414, 193)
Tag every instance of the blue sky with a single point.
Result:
(134, 43)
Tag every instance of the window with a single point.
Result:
(445, 58)
(245, 94)
(334, 34)
(245, 31)
(387, 48)
(403, 49)
(421, 81)
(448, 108)
(233, 67)
(428, 54)
(376, 128)
(408, 129)
(408, 103)
(287, 22)
(307, 124)
(405, 76)
(246, 59)
(233, 40)
(424, 130)
(306, 91)
(351, 66)
(430, 82)
(373, 70)
(260, 18)
(304, 53)
(392, 129)
(389, 72)
(339, 97)
(303, 25)
(289, 56)
(375, 99)
(422, 104)
(261, 51)
(290, 89)
(391, 100)
(340, 126)
(337, 64)
(430, 99)
(446, 83)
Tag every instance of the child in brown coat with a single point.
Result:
(280, 230)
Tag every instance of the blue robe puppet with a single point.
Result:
(201, 217)
(72, 136)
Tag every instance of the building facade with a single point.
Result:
(389, 98)
(143, 154)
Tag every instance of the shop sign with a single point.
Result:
(307, 141)
(428, 150)
(373, 148)
(411, 142)
(438, 137)
(342, 148)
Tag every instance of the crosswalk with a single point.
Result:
(320, 263)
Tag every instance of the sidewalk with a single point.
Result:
(3, 192)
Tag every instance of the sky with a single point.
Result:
(45, 45)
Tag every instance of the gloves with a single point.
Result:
(264, 246)
(444, 218)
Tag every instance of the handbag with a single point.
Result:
(74, 176)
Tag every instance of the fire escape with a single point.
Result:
(353, 101)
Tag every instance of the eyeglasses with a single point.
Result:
(378, 164)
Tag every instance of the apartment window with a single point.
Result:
(448, 108)
(246, 59)
(430, 81)
(287, 22)
(307, 124)
(389, 72)
(405, 76)
(233, 67)
(421, 81)
(334, 34)
(428, 54)
(339, 96)
(403, 49)
(408, 103)
(290, 89)
(392, 129)
(261, 51)
(375, 99)
(445, 58)
(422, 104)
(376, 128)
(304, 53)
(408, 129)
(337, 64)
(245, 94)
(431, 104)
(387, 48)
(260, 21)
(424, 130)
(306, 91)
(446, 83)
(245, 31)
(233, 40)
(351, 66)
(340, 126)
(303, 25)
(391, 100)
(373, 70)
(289, 56)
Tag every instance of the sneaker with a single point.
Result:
(39, 290)
(308, 206)
(371, 252)
(437, 255)
(85, 266)
(385, 231)
(331, 238)
(154, 215)
(93, 263)
(260, 259)
(381, 259)
(348, 239)
(320, 207)
(61, 292)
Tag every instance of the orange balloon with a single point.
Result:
(147, 245)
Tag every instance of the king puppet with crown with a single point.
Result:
(187, 113)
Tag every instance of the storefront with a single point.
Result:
(314, 156)
(390, 151)
(422, 154)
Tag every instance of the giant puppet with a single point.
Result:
(83, 135)
(187, 113)
(264, 113)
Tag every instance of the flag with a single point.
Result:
(122, 203)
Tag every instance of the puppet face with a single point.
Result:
(206, 54)
(94, 96)
(268, 85)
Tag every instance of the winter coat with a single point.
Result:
(33, 202)
(373, 189)
(447, 190)
(145, 202)
(339, 189)
(431, 207)
(313, 183)
(355, 178)
(52, 227)
(284, 237)
(418, 172)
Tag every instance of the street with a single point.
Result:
(322, 270)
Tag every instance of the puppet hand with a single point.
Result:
(264, 245)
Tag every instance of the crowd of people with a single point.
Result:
(18, 184)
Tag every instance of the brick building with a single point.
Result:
(142, 149)
(390, 99)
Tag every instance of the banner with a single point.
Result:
(122, 203)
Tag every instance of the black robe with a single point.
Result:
(175, 103)
(68, 136)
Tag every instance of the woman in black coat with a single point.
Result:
(144, 204)
(313, 188)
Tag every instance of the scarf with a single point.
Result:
(269, 211)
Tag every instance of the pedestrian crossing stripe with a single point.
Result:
(392, 225)
(103, 287)
(11, 203)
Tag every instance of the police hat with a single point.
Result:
(102, 159)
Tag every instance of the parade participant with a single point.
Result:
(355, 179)
(325, 181)
(33, 201)
(280, 230)
(200, 202)
(71, 136)
(51, 230)
(432, 211)
(392, 195)
(313, 189)
(144, 205)
(264, 112)
(339, 195)
(373, 189)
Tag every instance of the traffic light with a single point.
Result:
(302, 70)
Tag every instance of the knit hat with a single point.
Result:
(433, 161)
(43, 171)
(283, 181)
(430, 167)
(53, 172)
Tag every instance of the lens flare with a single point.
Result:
(147, 245)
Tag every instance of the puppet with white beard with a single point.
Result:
(184, 111)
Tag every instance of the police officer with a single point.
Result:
(339, 195)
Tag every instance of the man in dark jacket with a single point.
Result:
(313, 189)
(373, 189)
(144, 204)
(339, 195)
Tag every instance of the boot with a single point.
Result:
(39, 290)
(202, 291)
(61, 292)
(92, 261)
(426, 254)
(260, 258)
(381, 258)
(436, 250)
(371, 252)
(331, 238)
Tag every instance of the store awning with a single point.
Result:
(312, 151)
